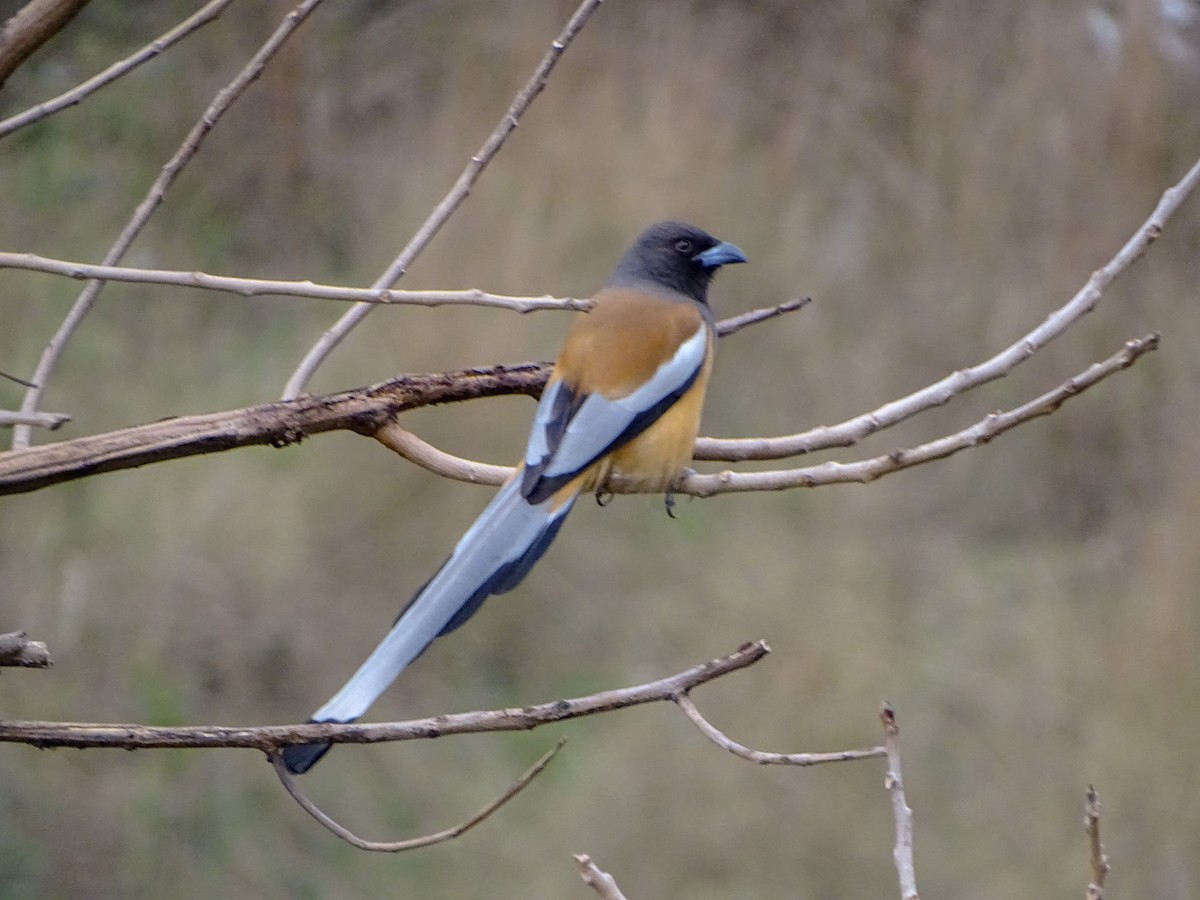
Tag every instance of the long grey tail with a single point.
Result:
(509, 536)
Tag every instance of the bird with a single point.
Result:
(624, 399)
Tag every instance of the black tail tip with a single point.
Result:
(299, 758)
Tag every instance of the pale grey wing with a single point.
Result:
(571, 431)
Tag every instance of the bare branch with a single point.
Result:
(1099, 859)
(18, 651)
(269, 738)
(363, 411)
(293, 788)
(50, 421)
(424, 454)
(856, 429)
(367, 411)
(903, 852)
(420, 452)
(30, 27)
(257, 287)
(735, 324)
(600, 882)
(763, 757)
(867, 470)
(442, 212)
(191, 144)
(78, 93)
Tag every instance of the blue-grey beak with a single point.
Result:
(721, 255)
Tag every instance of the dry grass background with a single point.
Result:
(938, 176)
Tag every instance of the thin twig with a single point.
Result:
(258, 287)
(18, 380)
(442, 212)
(191, 144)
(49, 421)
(18, 651)
(269, 738)
(941, 392)
(764, 757)
(735, 324)
(1099, 859)
(894, 782)
(437, 837)
(600, 882)
(78, 93)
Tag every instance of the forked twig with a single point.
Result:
(424, 454)
(437, 837)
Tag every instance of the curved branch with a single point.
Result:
(78, 93)
(270, 738)
(424, 454)
(437, 837)
(191, 144)
(764, 757)
(442, 212)
(991, 426)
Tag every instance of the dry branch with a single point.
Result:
(49, 421)
(30, 27)
(154, 197)
(764, 757)
(290, 784)
(280, 424)
(602, 883)
(261, 287)
(453, 199)
(270, 738)
(1099, 859)
(81, 91)
(421, 453)
(367, 411)
(902, 853)
(18, 651)
(941, 392)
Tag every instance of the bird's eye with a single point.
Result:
(683, 245)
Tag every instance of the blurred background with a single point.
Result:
(938, 176)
